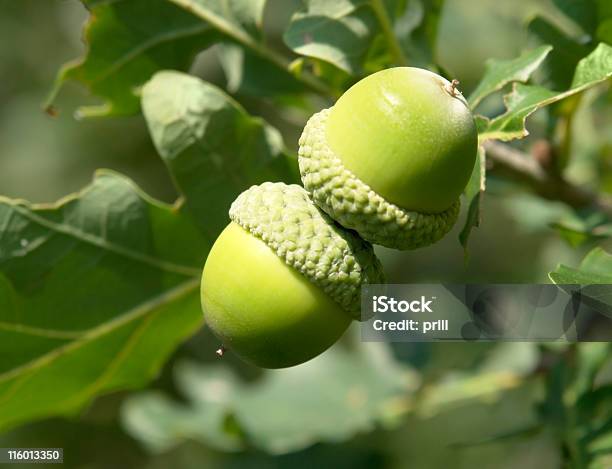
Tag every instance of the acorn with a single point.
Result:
(385, 165)
(282, 282)
(391, 157)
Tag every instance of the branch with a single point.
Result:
(311, 81)
(546, 184)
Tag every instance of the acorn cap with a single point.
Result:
(307, 239)
(353, 204)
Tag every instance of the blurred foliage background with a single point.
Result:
(43, 158)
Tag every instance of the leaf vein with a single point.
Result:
(39, 331)
(146, 45)
(105, 244)
(132, 315)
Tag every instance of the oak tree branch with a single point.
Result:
(546, 184)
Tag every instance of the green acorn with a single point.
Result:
(391, 157)
(283, 281)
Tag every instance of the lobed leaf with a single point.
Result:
(129, 40)
(598, 261)
(565, 55)
(579, 228)
(416, 27)
(595, 268)
(526, 99)
(364, 36)
(594, 275)
(337, 32)
(327, 399)
(213, 149)
(94, 296)
(499, 73)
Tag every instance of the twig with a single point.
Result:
(546, 184)
(387, 29)
(311, 81)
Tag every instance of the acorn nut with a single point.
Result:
(282, 282)
(391, 157)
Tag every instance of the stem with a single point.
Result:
(221, 24)
(547, 185)
(387, 28)
(311, 81)
(564, 130)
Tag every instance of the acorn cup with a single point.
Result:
(283, 281)
(391, 158)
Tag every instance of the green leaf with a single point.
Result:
(94, 296)
(474, 192)
(212, 147)
(526, 99)
(595, 268)
(602, 395)
(579, 228)
(579, 235)
(160, 423)
(601, 462)
(570, 276)
(597, 264)
(329, 399)
(520, 103)
(594, 68)
(364, 36)
(498, 73)
(249, 74)
(129, 40)
(597, 261)
(595, 277)
(590, 358)
(416, 27)
(239, 20)
(604, 31)
(337, 32)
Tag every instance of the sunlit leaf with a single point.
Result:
(526, 99)
(338, 32)
(499, 73)
(597, 266)
(360, 36)
(212, 147)
(594, 275)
